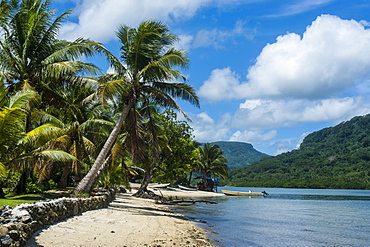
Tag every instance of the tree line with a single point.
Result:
(63, 123)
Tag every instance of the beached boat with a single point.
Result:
(243, 193)
(186, 188)
(151, 185)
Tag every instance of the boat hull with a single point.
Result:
(186, 188)
(151, 185)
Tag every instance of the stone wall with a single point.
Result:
(18, 224)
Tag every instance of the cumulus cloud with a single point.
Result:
(99, 19)
(330, 58)
(259, 121)
(251, 136)
(206, 129)
(260, 114)
(222, 84)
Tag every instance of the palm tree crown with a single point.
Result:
(145, 76)
(31, 56)
(211, 162)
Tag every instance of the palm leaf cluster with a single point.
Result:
(211, 163)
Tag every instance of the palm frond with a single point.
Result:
(55, 155)
(179, 90)
(42, 134)
(109, 90)
(12, 125)
(22, 99)
(42, 117)
(164, 100)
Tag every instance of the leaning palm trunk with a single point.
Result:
(87, 183)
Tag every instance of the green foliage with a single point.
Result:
(82, 195)
(14, 200)
(211, 163)
(179, 155)
(113, 176)
(239, 154)
(336, 157)
(32, 187)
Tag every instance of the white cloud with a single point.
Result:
(259, 122)
(221, 85)
(185, 42)
(205, 129)
(250, 136)
(205, 118)
(301, 6)
(330, 58)
(216, 38)
(99, 19)
(206, 38)
(260, 114)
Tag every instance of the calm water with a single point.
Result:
(288, 217)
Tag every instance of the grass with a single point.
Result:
(14, 200)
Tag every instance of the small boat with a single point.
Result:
(156, 185)
(242, 193)
(186, 188)
(150, 185)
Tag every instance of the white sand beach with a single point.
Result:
(128, 221)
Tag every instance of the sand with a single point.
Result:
(128, 221)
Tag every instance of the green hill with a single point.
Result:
(336, 157)
(239, 154)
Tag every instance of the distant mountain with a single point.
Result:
(336, 157)
(239, 154)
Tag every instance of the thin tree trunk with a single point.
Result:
(2, 194)
(63, 182)
(144, 184)
(189, 181)
(87, 183)
(20, 188)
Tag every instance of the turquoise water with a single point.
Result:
(287, 217)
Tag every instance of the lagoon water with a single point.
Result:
(287, 217)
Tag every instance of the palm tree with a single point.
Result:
(145, 75)
(211, 162)
(14, 139)
(31, 56)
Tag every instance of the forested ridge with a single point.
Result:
(239, 154)
(335, 157)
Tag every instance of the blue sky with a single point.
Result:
(268, 72)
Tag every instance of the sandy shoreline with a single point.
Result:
(128, 221)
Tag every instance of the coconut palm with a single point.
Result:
(211, 162)
(78, 134)
(19, 152)
(31, 56)
(146, 74)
